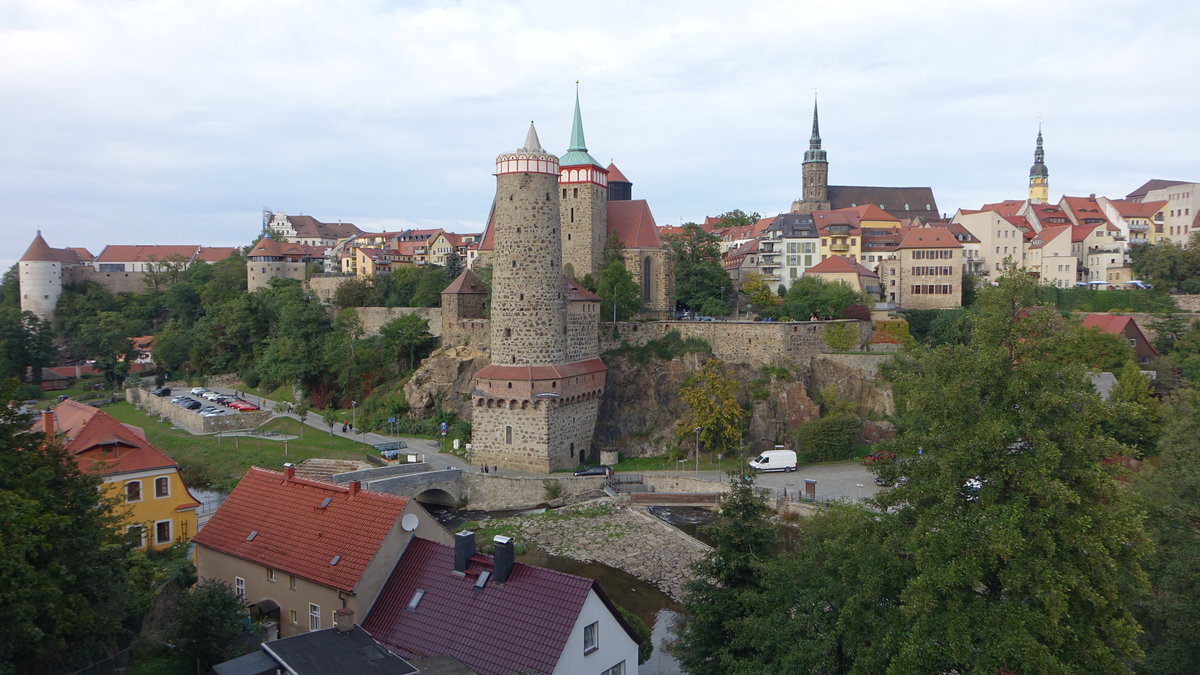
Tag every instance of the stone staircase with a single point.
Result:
(324, 469)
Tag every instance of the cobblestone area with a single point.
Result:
(623, 537)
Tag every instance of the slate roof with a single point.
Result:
(1153, 184)
(328, 651)
(295, 533)
(919, 200)
(634, 224)
(928, 237)
(836, 264)
(311, 228)
(103, 446)
(522, 625)
(794, 225)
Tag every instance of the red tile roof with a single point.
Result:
(1047, 235)
(577, 293)
(1115, 324)
(872, 212)
(1049, 214)
(295, 533)
(928, 237)
(103, 446)
(1008, 207)
(466, 283)
(836, 264)
(553, 372)
(520, 626)
(40, 251)
(1129, 209)
(634, 224)
(615, 175)
(269, 247)
(133, 253)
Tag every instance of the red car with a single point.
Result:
(243, 406)
(881, 456)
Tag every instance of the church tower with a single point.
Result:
(535, 406)
(583, 186)
(1039, 176)
(816, 174)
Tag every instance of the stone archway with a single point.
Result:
(437, 496)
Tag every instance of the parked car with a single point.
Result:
(161, 392)
(198, 390)
(192, 405)
(775, 460)
(600, 470)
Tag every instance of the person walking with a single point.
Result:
(343, 427)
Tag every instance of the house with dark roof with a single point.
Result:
(498, 616)
(308, 230)
(1182, 211)
(299, 549)
(795, 240)
(154, 500)
(1125, 327)
(345, 648)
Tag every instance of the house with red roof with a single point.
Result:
(497, 616)
(1127, 328)
(1140, 222)
(840, 268)
(1049, 256)
(1182, 210)
(298, 550)
(154, 500)
(926, 271)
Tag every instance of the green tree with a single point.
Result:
(759, 293)
(618, 291)
(405, 335)
(160, 274)
(711, 400)
(354, 292)
(302, 411)
(715, 600)
(737, 218)
(208, 623)
(811, 295)
(645, 641)
(701, 283)
(1096, 349)
(1170, 612)
(1134, 417)
(454, 265)
(25, 342)
(10, 288)
(64, 567)
(1163, 264)
(430, 282)
(830, 437)
(1024, 547)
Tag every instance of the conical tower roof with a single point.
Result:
(615, 175)
(532, 143)
(467, 283)
(577, 153)
(39, 251)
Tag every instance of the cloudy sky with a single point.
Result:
(176, 122)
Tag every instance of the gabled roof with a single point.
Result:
(520, 626)
(301, 526)
(1086, 211)
(836, 264)
(1129, 209)
(319, 652)
(103, 446)
(872, 212)
(615, 175)
(467, 283)
(270, 247)
(134, 253)
(1008, 207)
(212, 254)
(1081, 232)
(902, 201)
(634, 224)
(1153, 184)
(960, 233)
(308, 227)
(1047, 235)
(1050, 214)
(1115, 324)
(928, 237)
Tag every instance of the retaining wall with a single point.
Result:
(373, 318)
(488, 492)
(1187, 303)
(752, 342)
(668, 483)
(188, 419)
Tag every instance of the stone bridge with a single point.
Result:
(422, 482)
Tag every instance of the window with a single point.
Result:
(314, 617)
(271, 575)
(508, 435)
(239, 587)
(162, 487)
(133, 491)
(618, 669)
(162, 532)
(137, 532)
(292, 582)
(591, 637)
(294, 617)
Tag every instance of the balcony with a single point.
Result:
(839, 248)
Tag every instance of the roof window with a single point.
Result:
(325, 502)
(252, 535)
(335, 560)
(416, 599)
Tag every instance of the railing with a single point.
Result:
(839, 247)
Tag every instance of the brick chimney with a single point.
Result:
(343, 620)
(48, 422)
(464, 548)
(355, 486)
(503, 558)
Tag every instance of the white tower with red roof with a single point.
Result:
(41, 272)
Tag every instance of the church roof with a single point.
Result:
(577, 153)
(467, 283)
(632, 221)
(899, 201)
(615, 175)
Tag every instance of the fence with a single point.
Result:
(113, 664)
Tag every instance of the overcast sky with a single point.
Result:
(132, 122)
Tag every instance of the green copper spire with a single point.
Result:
(577, 153)
(814, 152)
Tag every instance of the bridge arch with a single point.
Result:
(437, 496)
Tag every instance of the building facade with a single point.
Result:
(926, 272)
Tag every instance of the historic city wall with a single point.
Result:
(373, 318)
(751, 342)
(113, 282)
(499, 492)
(324, 287)
(188, 419)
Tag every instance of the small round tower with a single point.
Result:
(41, 278)
(528, 307)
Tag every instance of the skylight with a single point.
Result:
(252, 535)
(334, 560)
(416, 599)
(325, 502)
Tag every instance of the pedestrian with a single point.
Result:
(495, 469)
(485, 468)
(343, 427)
(352, 426)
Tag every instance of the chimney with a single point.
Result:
(502, 558)
(343, 620)
(289, 471)
(48, 422)
(464, 548)
(355, 486)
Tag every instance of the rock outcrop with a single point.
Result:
(446, 379)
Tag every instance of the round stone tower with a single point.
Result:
(529, 324)
(41, 278)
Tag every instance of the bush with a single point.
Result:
(842, 336)
(831, 437)
(858, 312)
(1191, 286)
(669, 346)
(639, 628)
(553, 488)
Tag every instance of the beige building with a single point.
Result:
(1000, 238)
(297, 550)
(1050, 258)
(926, 272)
(1182, 211)
(839, 269)
(1140, 222)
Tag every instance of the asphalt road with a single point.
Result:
(835, 480)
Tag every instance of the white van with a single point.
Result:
(775, 460)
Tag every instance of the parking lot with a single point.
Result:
(207, 403)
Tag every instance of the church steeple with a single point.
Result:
(815, 196)
(577, 152)
(1039, 175)
(815, 153)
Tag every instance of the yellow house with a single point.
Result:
(839, 233)
(146, 482)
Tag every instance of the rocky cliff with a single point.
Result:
(641, 406)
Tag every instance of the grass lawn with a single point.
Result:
(221, 463)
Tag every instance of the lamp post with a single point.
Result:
(353, 416)
(697, 449)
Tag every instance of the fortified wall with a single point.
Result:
(752, 342)
(113, 282)
(373, 318)
(324, 287)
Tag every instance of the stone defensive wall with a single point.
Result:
(669, 483)
(324, 287)
(751, 342)
(474, 332)
(113, 282)
(373, 318)
(188, 419)
(497, 492)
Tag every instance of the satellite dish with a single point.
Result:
(409, 522)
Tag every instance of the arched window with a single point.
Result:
(647, 266)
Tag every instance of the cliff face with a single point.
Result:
(641, 407)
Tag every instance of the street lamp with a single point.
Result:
(697, 449)
(353, 416)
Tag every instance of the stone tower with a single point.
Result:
(535, 405)
(816, 174)
(41, 273)
(583, 212)
(1039, 175)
